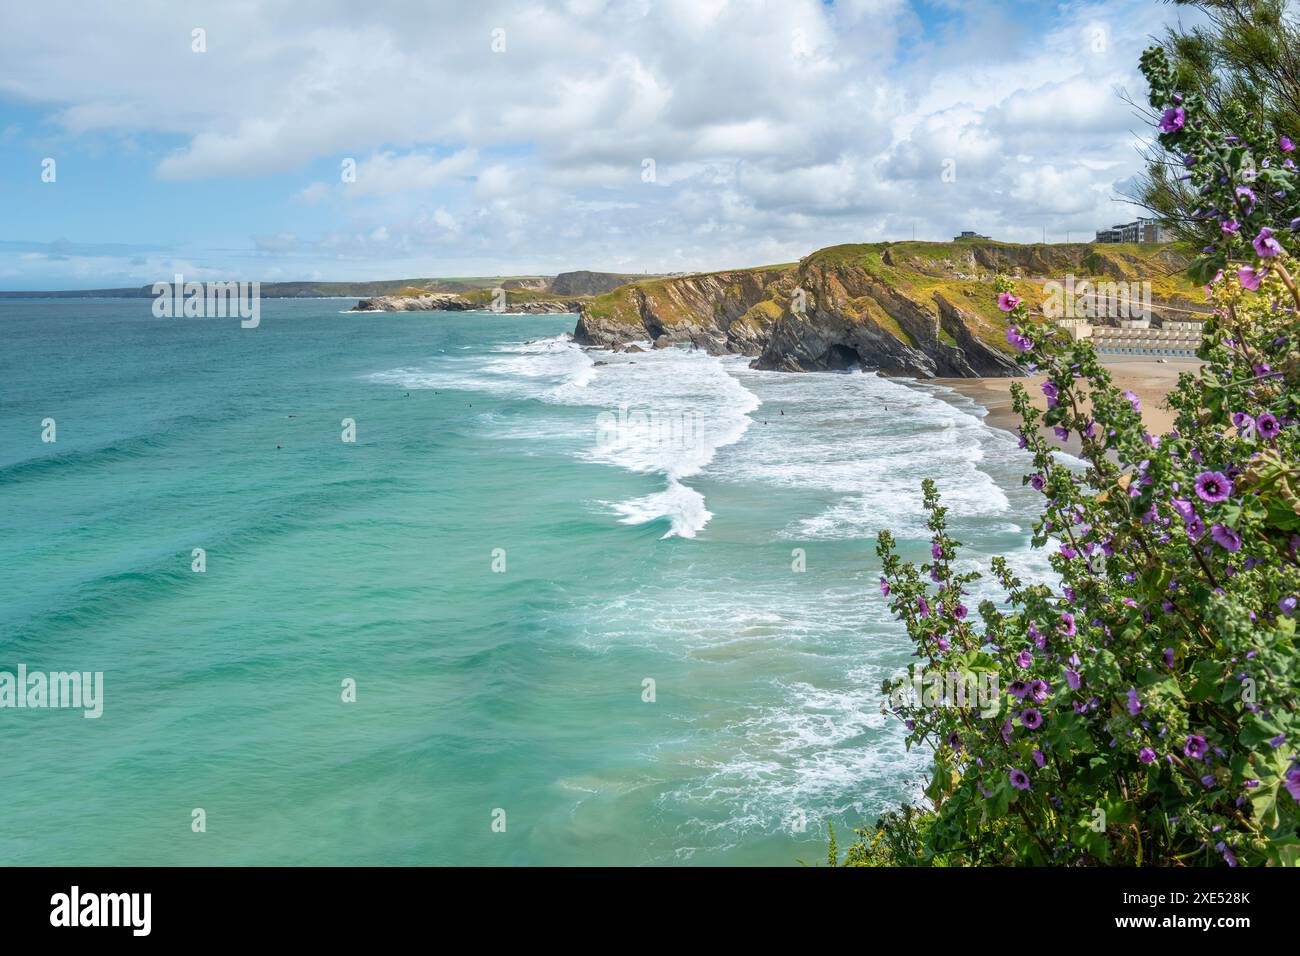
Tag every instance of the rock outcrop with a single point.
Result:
(457, 302)
(720, 311)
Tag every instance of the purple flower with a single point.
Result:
(943, 644)
(1213, 486)
(1285, 144)
(1293, 783)
(1037, 482)
(1040, 758)
(923, 606)
(1039, 689)
(1244, 192)
(1172, 119)
(884, 587)
(1019, 341)
(1249, 278)
(1133, 400)
(936, 551)
(1225, 537)
(1032, 719)
(1147, 755)
(1134, 704)
(1196, 747)
(1287, 605)
(1061, 432)
(1232, 227)
(1007, 301)
(954, 740)
(1019, 779)
(1067, 624)
(1265, 245)
(1072, 678)
(1267, 426)
(1195, 528)
(959, 612)
(1018, 689)
(1024, 659)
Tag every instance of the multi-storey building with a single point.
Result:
(1141, 230)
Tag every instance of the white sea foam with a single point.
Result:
(867, 442)
(665, 385)
(682, 506)
(796, 727)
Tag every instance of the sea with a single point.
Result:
(448, 589)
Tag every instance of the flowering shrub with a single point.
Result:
(1147, 705)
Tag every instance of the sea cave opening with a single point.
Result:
(840, 358)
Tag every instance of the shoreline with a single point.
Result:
(1147, 378)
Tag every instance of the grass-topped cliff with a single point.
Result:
(909, 307)
(561, 293)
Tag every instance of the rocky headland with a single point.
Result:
(908, 308)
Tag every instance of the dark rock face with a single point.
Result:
(854, 318)
(589, 283)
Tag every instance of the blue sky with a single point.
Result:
(510, 137)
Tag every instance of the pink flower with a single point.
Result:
(1285, 144)
(1172, 119)
(1249, 277)
(1265, 244)
(1232, 227)
(1007, 301)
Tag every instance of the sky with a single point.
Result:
(331, 140)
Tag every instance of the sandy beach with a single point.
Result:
(1150, 380)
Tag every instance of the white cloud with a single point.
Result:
(775, 128)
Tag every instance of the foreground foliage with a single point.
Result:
(1145, 711)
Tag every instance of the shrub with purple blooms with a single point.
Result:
(1147, 706)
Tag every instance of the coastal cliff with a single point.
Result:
(922, 309)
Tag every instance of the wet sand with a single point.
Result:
(1150, 380)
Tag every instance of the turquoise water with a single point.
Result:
(627, 557)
